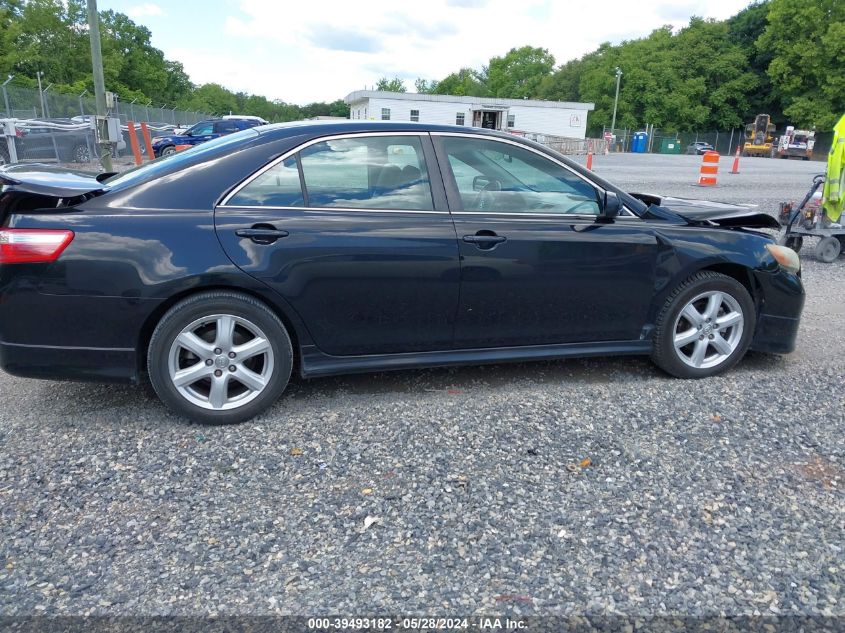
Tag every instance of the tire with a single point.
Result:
(828, 249)
(167, 151)
(80, 153)
(687, 360)
(213, 392)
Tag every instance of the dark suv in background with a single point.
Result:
(202, 132)
(72, 145)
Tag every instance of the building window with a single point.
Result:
(459, 118)
(511, 120)
(385, 114)
(415, 115)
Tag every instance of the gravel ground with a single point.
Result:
(593, 486)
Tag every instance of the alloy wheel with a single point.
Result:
(220, 362)
(708, 330)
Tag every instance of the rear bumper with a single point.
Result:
(69, 363)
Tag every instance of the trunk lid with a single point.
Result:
(25, 188)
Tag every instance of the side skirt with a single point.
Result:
(315, 363)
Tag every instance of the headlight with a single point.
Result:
(786, 257)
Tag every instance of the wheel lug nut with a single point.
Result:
(231, 354)
(711, 336)
(232, 368)
(218, 373)
(209, 362)
(218, 351)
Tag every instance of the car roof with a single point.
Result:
(354, 126)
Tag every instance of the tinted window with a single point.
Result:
(225, 127)
(277, 187)
(493, 176)
(383, 172)
(201, 129)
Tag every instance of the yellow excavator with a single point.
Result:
(760, 137)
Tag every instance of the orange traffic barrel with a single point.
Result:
(709, 169)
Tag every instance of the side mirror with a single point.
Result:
(611, 208)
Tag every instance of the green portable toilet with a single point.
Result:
(670, 146)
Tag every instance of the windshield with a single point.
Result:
(207, 150)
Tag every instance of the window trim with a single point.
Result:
(224, 202)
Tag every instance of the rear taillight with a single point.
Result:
(32, 246)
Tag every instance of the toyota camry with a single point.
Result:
(329, 248)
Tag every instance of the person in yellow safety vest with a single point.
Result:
(833, 196)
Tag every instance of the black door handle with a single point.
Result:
(485, 240)
(262, 235)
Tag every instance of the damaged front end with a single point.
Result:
(706, 213)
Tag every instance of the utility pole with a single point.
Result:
(99, 85)
(40, 74)
(616, 100)
(6, 95)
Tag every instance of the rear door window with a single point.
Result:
(376, 172)
(225, 127)
(279, 186)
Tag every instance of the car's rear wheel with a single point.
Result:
(705, 326)
(219, 357)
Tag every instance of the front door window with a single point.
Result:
(500, 177)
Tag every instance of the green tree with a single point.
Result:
(423, 86)
(464, 83)
(806, 41)
(519, 73)
(390, 85)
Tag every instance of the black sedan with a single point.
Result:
(328, 248)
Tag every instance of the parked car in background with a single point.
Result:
(65, 140)
(699, 147)
(333, 248)
(121, 145)
(202, 132)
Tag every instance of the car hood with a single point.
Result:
(48, 180)
(719, 213)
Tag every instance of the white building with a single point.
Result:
(558, 118)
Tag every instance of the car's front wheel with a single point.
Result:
(167, 151)
(219, 357)
(705, 326)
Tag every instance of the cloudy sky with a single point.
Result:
(321, 50)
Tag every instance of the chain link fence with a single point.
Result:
(659, 141)
(45, 126)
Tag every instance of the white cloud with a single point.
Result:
(315, 51)
(145, 10)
